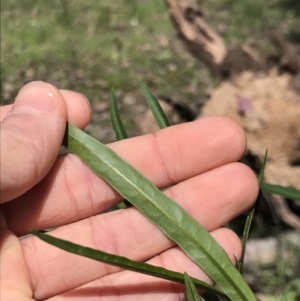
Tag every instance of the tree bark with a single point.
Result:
(205, 44)
(200, 39)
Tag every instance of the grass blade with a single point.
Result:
(173, 220)
(115, 118)
(121, 262)
(157, 111)
(191, 291)
(287, 192)
(250, 218)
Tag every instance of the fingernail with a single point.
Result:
(37, 96)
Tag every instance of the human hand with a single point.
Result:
(39, 190)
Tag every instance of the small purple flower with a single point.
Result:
(244, 105)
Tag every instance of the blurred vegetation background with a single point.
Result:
(91, 46)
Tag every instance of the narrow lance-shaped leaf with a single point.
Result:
(115, 117)
(191, 291)
(120, 132)
(157, 111)
(173, 220)
(163, 122)
(287, 192)
(261, 174)
(250, 218)
(122, 262)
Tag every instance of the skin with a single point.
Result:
(40, 189)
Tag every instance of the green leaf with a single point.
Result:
(261, 174)
(287, 192)
(122, 262)
(115, 117)
(172, 219)
(250, 218)
(191, 291)
(157, 111)
(213, 297)
(120, 132)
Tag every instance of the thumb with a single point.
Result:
(31, 136)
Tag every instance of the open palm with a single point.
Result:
(39, 189)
